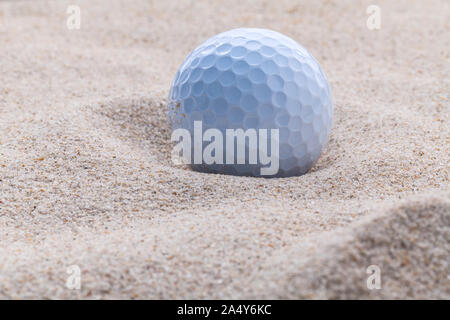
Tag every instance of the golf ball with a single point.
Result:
(265, 97)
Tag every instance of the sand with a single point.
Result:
(86, 180)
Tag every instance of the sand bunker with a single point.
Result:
(86, 181)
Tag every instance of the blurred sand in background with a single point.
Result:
(85, 175)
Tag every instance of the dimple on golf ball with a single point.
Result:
(242, 84)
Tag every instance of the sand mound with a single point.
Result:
(409, 243)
